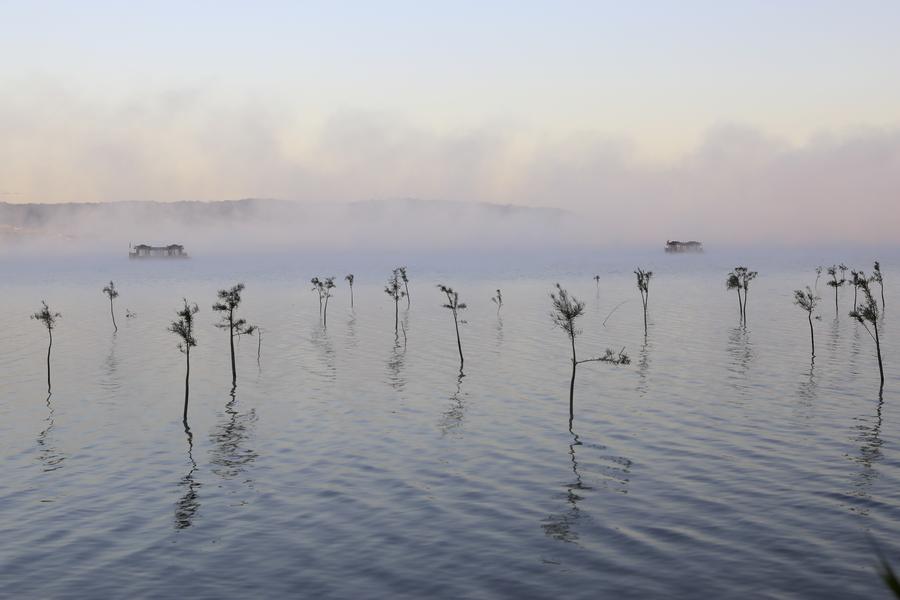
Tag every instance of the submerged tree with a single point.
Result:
(393, 290)
(643, 284)
(596, 279)
(876, 276)
(498, 300)
(405, 283)
(818, 274)
(835, 283)
(454, 305)
(184, 329)
(48, 319)
(807, 300)
(228, 302)
(867, 314)
(567, 308)
(323, 287)
(111, 292)
(349, 279)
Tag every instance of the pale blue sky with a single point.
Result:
(651, 79)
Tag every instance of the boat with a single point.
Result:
(142, 251)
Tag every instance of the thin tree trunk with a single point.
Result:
(835, 302)
(49, 347)
(572, 384)
(812, 338)
(881, 285)
(351, 296)
(644, 301)
(187, 378)
(458, 343)
(396, 314)
(746, 293)
(113, 315)
(740, 305)
(231, 343)
(325, 314)
(878, 350)
(406, 289)
(258, 343)
(855, 290)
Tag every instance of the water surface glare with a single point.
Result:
(350, 463)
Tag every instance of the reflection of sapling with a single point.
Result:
(48, 319)
(111, 292)
(566, 309)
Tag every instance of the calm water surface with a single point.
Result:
(352, 464)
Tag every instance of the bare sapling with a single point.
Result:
(48, 319)
(111, 293)
(349, 279)
(877, 277)
(567, 308)
(855, 280)
(498, 300)
(733, 282)
(405, 279)
(643, 284)
(323, 287)
(454, 305)
(183, 327)
(395, 291)
(807, 300)
(229, 301)
(867, 315)
(836, 284)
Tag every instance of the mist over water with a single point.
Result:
(353, 463)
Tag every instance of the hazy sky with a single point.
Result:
(552, 103)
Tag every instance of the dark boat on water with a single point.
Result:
(145, 251)
(676, 246)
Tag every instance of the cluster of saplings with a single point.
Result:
(865, 309)
(566, 309)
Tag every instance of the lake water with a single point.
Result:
(349, 463)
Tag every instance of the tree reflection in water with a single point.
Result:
(48, 454)
(187, 505)
(230, 457)
(453, 417)
(395, 365)
(868, 436)
(613, 474)
(562, 526)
